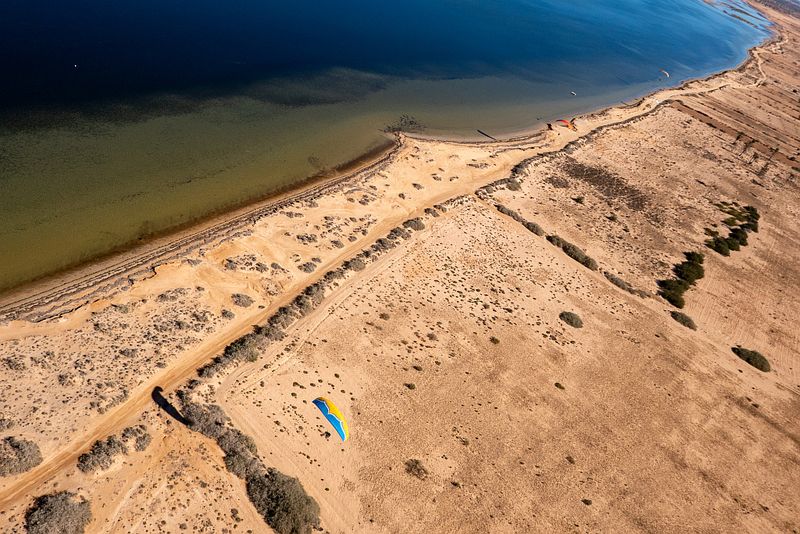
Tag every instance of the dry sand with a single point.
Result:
(448, 347)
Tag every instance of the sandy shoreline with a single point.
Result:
(74, 286)
(429, 281)
(144, 255)
(64, 290)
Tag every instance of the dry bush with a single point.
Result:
(415, 468)
(625, 286)
(139, 435)
(101, 455)
(572, 319)
(283, 503)
(754, 358)
(529, 225)
(210, 419)
(18, 455)
(399, 233)
(308, 267)
(280, 499)
(573, 251)
(58, 513)
(683, 319)
(242, 300)
(356, 264)
(513, 184)
(414, 224)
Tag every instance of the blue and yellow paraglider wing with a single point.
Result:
(334, 416)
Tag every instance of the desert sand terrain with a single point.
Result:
(474, 403)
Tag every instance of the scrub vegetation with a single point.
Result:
(573, 252)
(58, 513)
(740, 221)
(572, 319)
(686, 274)
(754, 358)
(683, 319)
(415, 468)
(280, 499)
(18, 455)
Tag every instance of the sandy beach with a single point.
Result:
(425, 291)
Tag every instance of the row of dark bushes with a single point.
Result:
(250, 346)
(573, 251)
(740, 222)
(529, 225)
(686, 274)
(280, 499)
(103, 452)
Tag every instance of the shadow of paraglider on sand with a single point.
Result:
(167, 406)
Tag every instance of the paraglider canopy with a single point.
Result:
(568, 124)
(334, 416)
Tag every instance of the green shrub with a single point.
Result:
(739, 235)
(694, 257)
(741, 221)
(683, 319)
(689, 272)
(750, 226)
(673, 290)
(719, 245)
(754, 358)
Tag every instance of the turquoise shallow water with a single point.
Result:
(126, 118)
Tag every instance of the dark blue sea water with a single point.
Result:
(66, 53)
(119, 118)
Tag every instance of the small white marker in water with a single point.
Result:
(573, 93)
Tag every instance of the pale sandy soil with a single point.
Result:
(657, 427)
